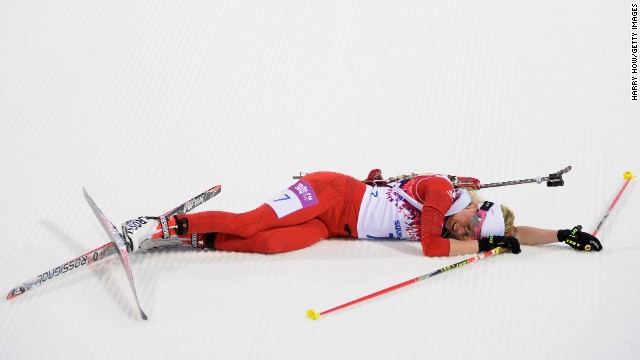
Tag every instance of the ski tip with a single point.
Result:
(628, 175)
(311, 314)
(16, 292)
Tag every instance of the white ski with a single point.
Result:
(116, 238)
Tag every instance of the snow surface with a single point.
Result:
(147, 103)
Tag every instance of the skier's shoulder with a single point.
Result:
(426, 182)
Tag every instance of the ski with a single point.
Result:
(82, 260)
(196, 201)
(117, 239)
(105, 250)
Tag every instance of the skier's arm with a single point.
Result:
(462, 247)
(575, 238)
(436, 194)
(528, 235)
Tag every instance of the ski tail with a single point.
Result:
(117, 239)
(191, 204)
(87, 259)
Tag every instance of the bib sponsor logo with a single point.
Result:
(298, 196)
(398, 229)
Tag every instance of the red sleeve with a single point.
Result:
(436, 194)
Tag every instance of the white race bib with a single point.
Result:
(298, 196)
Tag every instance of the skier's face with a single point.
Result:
(460, 224)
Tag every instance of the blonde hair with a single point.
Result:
(475, 197)
(509, 216)
(509, 219)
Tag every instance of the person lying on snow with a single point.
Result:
(447, 220)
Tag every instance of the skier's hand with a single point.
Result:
(492, 242)
(578, 240)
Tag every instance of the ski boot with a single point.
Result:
(148, 232)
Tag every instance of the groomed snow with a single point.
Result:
(148, 103)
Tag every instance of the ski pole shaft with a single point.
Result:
(311, 314)
(628, 176)
(552, 180)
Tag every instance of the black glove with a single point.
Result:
(579, 240)
(492, 242)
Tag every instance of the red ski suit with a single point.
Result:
(329, 208)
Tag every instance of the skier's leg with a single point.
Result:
(275, 240)
(323, 195)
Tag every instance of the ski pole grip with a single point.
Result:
(555, 180)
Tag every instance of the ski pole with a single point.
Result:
(628, 176)
(552, 180)
(311, 314)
